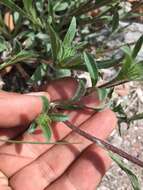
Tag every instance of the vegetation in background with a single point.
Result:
(47, 40)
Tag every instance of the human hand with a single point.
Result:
(53, 167)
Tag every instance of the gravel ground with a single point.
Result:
(131, 142)
(132, 139)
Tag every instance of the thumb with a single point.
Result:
(20, 109)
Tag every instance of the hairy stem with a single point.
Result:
(105, 145)
(34, 142)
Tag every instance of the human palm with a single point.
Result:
(77, 166)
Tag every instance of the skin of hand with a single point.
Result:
(52, 167)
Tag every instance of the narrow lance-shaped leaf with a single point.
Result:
(62, 73)
(51, 11)
(10, 4)
(39, 73)
(137, 47)
(19, 57)
(127, 71)
(46, 104)
(43, 121)
(80, 92)
(55, 42)
(91, 66)
(60, 6)
(133, 178)
(70, 33)
(58, 117)
(32, 127)
(102, 93)
(29, 8)
(27, 4)
(71, 107)
(115, 21)
(2, 44)
(131, 70)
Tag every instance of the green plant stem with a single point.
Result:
(112, 84)
(118, 47)
(91, 5)
(32, 142)
(83, 9)
(109, 84)
(133, 10)
(94, 19)
(136, 117)
(105, 145)
(13, 61)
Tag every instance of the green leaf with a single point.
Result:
(102, 93)
(32, 127)
(119, 109)
(43, 121)
(65, 54)
(58, 117)
(91, 66)
(46, 104)
(2, 45)
(10, 4)
(55, 42)
(39, 73)
(51, 12)
(136, 72)
(70, 33)
(61, 73)
(27, 4)
(33, 18)
(31, 12)
(104, 64)
(130, 71)
(60, 6)
(73, 62)
(127, 51)
(17, 47)
(71, 107)
(19, 57)
(80, 92)
(115, 21)
(133, 178)
(137, 47)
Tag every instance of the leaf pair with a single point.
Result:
(133, 178)
(29, 12)
(23, 55)
(131, 70)
(45, 119)
(62, 50)
(91, 67)
(3, 45)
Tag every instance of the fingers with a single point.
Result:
(4, 184)
(24, 154)
(14, 105)
(53, 163)
(18, 109)
(61, 89)
(86, 172)
(9, 133)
